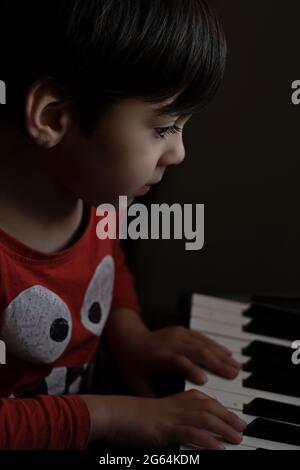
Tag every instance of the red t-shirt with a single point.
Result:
(53, 308)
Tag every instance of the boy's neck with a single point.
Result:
(34, 207)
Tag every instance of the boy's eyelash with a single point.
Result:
(163, 131)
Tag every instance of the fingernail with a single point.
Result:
(204, 378)
(243, 423)
(235, 364)
(193, 446)
(232, 371)
(220, 446)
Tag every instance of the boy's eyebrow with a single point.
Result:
(159, 112)
(176, 115)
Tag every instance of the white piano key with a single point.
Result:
(232, 400)
(239, 447)
(269, 445)
(256, 442)
(232, 331)
(227, 447)
(235, 345)
(236, 401)
(250, 443)
(236, 386)
(205, 313)
(219, 304)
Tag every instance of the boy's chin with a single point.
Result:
(119, 204)
(116, 202)
(130, 200)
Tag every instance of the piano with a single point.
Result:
(266, 394)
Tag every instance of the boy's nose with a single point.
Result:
(173, 156)
(180, 157)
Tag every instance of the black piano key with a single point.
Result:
(259, 349)
(272, 321)
(273, 431)
(273, 410)
(271, 328)
(270, 364)
(271, 313)
(290, 303)
(273, 382)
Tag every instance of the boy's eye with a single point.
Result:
(163, 131)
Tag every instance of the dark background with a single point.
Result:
(242, 162)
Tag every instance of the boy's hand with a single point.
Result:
(174, 349)
(182, 350)
(187, 418)
(143, 355)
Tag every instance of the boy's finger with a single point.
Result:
(216, 408)
(201, 342)
(228, 360)
(214, 347)
(216, 425)
(197, 438)
(200, 336)
(188, 369)
(211, 361)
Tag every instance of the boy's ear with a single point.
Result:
(47, 113)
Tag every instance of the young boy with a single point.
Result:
(98, 93)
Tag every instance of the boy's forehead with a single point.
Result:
(157, 107)
(162, 104)
(138, 107)
(165, 102)
(153, 109)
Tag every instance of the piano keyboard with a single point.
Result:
(266, 394)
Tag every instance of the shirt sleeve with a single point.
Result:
(44, 423)
(124, 294)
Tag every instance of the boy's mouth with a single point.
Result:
(145, 189)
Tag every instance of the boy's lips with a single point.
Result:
(145, 189)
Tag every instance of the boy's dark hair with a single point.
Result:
(99, 51)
